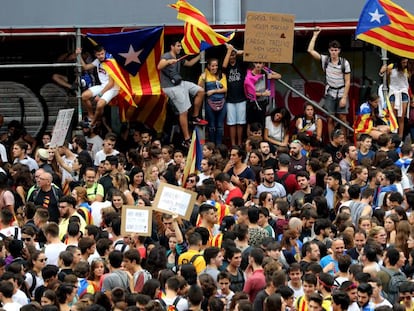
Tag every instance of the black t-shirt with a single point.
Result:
(49, 200)
(335, 152)
(235, 82)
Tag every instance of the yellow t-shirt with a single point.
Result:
(199, 262)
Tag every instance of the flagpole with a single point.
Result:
(202, 131)
(384, 59)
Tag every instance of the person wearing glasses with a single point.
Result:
(34, 275)
(406, 295)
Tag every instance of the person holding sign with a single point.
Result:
(257, 90)
(338, 79)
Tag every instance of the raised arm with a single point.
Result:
(311, 46)
(192, 62)
(85, 66)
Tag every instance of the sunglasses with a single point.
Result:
(42, 259)
(27, 239)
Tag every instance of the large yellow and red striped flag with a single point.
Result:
(198, 34)
(387, 25)
(133, 66)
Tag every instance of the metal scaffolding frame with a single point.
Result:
(77, 34)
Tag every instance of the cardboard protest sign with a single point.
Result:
(269, 37)
(136, 220)
(174, 200)
(61, 127)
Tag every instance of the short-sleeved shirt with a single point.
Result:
(335, 79)
(96, 189)
(116, 278)
(102, 74)
(235, 82)
(199, 262)
(169, 71)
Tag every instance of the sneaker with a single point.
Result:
(186, 143)
(198, 121)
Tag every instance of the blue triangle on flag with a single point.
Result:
(130, 49)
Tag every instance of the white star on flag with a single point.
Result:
(131, 56)
(375, 16)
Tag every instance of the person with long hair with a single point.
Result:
(276, 130)
(290, 246)
(96, 273)
(390, 225)
(258, 93)
(368, 121)
(49, 298)
(118, 199)
(403, 234)
(137, 180)
(398, 86)
(120, 182)
(310, 123)
(22, 180)
(65, 295)
(266, 200)
(215, 84)
(82, 203)
(34, 277)
(379, 235)
(255, 162)
(359, 176)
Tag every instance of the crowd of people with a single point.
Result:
(283, 220)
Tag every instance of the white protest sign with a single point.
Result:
(61, 128)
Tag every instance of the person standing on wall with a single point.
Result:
(178, 90)
(338, 79)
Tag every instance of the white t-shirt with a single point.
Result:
(101, 155)
(12, 306)
(3, 153)
(11, 231)
(52, 252)
(102, 74)
(277, 132)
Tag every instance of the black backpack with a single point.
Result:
(341, 60)
(174, 305)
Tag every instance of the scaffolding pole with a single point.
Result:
(47, 65)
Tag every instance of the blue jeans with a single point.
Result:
(215, 123)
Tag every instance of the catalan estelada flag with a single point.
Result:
(387, 25)
(194, 156)
(197, 31)
(134, 68)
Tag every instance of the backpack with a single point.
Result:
(282, 180)
(192, 260)
(172, 307)
(34, 282)
(341, 60)
(121, 242)
(396, 278)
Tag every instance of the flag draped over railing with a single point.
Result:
(197, 32)
(134, 68)
(387, 25)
